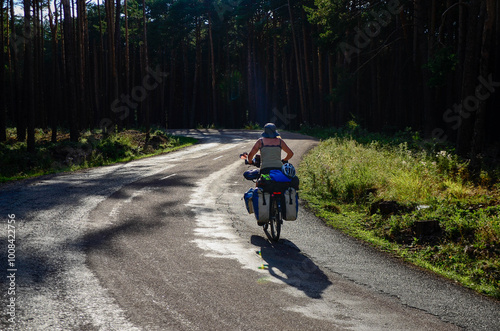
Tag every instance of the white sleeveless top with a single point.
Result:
(270, 155)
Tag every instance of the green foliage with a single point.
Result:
(351, 171)
(252, 126)
(440, 65)
(348, 171)
(331, 17)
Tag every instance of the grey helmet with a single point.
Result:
(288, 169)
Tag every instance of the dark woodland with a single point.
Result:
(432, 66)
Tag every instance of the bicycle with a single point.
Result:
(275, 204)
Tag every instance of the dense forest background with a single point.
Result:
(429, 65)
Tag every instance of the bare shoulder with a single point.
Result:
(271, 141)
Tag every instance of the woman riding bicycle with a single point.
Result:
(270, 146)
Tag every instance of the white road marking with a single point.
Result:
(225, 147)
(218, 157)
(168, 176)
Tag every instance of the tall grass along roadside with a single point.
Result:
(93, 149)
(417, 202)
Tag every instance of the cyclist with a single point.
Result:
(270, 146)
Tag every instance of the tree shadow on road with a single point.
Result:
(286, 263)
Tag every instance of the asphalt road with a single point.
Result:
(165, 243)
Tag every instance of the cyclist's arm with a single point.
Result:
(254, 151)
(287, 150)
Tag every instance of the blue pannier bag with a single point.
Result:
(261, 204)
(248, 197)
(279, 176)
(251, 174)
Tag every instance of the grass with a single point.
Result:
(252, 126)
(93, 149)
(385, 189)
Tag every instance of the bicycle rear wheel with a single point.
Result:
(275, 220)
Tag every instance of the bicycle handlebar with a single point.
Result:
(255, 161)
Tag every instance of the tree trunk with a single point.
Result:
(3, 135)
(250, 76)
(321, 92)
(70, 70)
(212, 61)
(303, 113)
(416, 20)
(197, 65)
(308, 103)
(40, 78)
(118, 67)
(426, 53)
(185, 84)
(274, 97)
(80, 73)
(469, 81)
(28, 103)
(286, 81)
(268, 80)
(257, 82)
(316, 119)
(163, 90)
(145, 103)
(112, 89)
(127, 51)
(487, 46)
(172, 91)
(16, 91)
(56, 84)
(101, 78)
(333, 119)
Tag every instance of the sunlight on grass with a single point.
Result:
(343, 177)
(346, 170)
(456, 189)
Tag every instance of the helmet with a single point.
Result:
(288, 169)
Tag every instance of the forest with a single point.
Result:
(432, 66)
